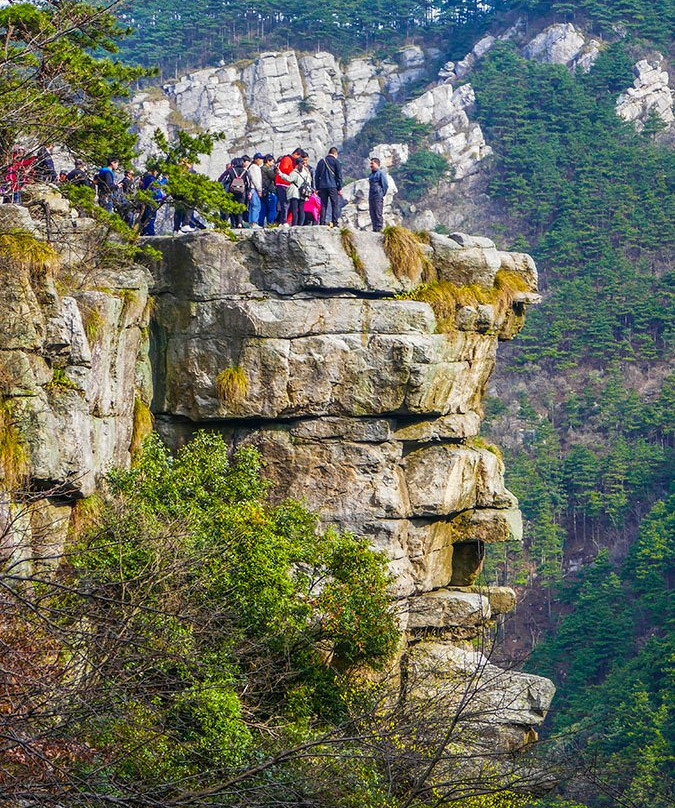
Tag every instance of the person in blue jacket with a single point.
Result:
(378, 186)
(107, 184)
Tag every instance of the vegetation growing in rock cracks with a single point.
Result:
(232, 386)
(14, 454)
(143, 424)
(349, 246)
(406, 254)
(447, 298)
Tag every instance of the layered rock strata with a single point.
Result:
(365, 402)
(73, 369)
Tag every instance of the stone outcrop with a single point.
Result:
(277, 101)
(73, 365)
(454, 134)
(650, 93)
(366, 404)
(559, 44)
(365, 401)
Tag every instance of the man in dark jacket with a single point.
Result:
(107, 184)
(79, 176)
(328, 182)
(44, 165)
(378, 186)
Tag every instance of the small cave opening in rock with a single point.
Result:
(467, 562)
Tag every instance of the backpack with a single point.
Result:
(238, 185)
(305, 189)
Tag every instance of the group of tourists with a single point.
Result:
(286, 191)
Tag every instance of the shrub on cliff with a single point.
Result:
(196, 635)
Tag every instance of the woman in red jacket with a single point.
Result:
(18, 174)
(286, 165)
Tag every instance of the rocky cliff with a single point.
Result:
(282, 99)
(361, 379)
(357, 370)
(74, 372)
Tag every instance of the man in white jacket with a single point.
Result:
(255, 194)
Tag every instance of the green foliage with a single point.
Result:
(59, 82)
(60, 382)
(143, 424)
(203, 32)
(238, 625)
(595, 201)
(613, 654)
(390, 125)
(650, 19)
(14, 454)
(423, 170)
(188, 188)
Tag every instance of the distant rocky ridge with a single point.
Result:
(282, 99)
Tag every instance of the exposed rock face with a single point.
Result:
(558, 44)
(454, 134)
(365, 405)
(73, 359)
(278, 101)
(650, 93)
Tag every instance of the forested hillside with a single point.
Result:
(585, 397)
(177, 36)
(588, 393)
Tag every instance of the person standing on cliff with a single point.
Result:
(378, 187)
(256, 189)
(328, 182)
(286, 166)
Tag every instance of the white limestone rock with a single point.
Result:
(277, 101)
(650, 92)
(558, 44)
(464, 67)
(455, 135)
(391, 154)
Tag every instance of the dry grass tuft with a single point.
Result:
(14, 455)
(479, 442)
(406, 255)
(93, 321)
(144, 423)
(21, 248)
(232, 386)
(446, 298)
(149, 310)
(348, 245)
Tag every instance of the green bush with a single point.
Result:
(423, 171)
